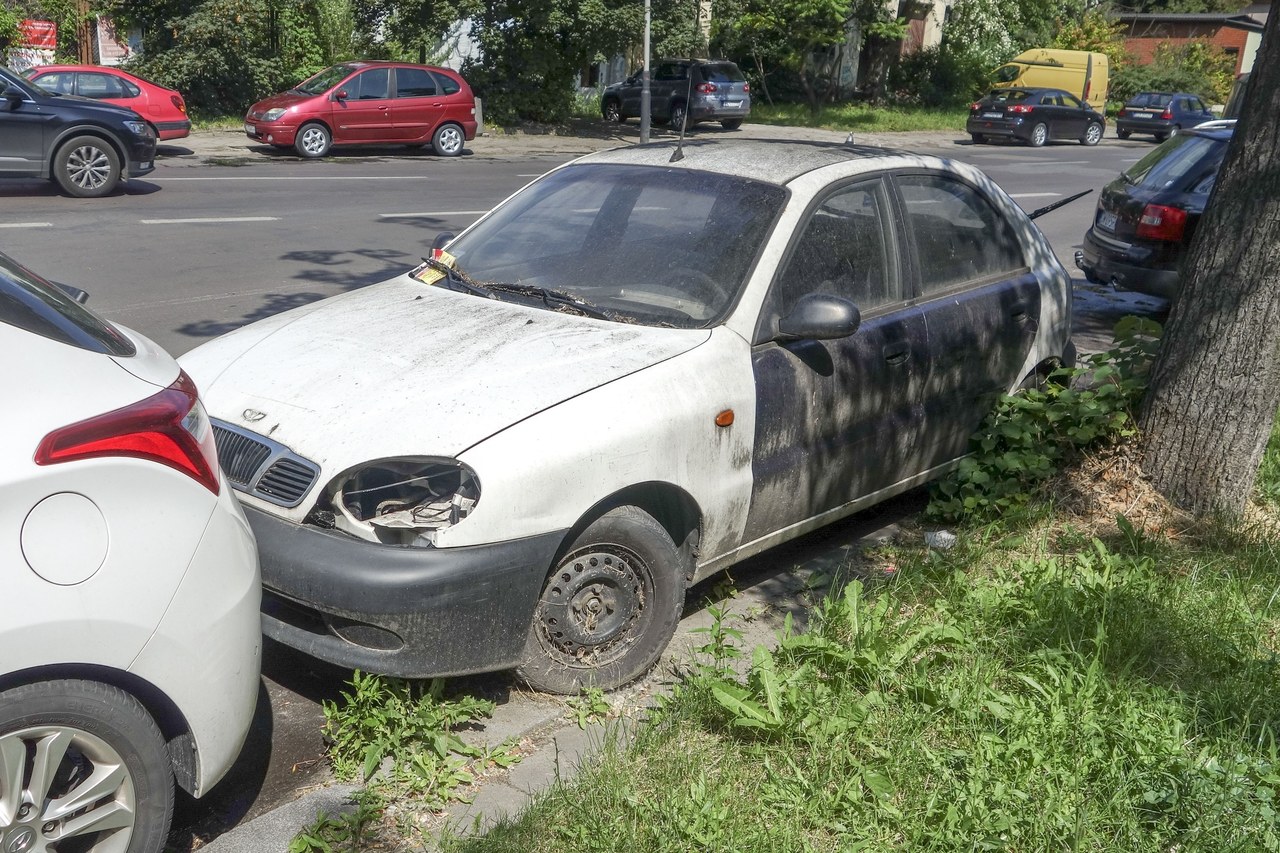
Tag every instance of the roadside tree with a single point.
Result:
(1215, 385)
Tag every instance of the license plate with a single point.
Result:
(146, 165)
(1107, 220)
(731, 104)
(1142, 115)
(250, 129)
(993, 115)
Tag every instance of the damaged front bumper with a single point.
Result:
(402, 611)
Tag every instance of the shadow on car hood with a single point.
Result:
(403, 368)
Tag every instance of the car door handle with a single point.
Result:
(896, 354)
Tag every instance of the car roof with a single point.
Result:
(771, 161)
(1220, 129)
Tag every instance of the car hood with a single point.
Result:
(402, 368)
(283, 100)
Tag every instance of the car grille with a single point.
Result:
(258, 466)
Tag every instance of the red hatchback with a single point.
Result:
(363, 103)
(164, 109)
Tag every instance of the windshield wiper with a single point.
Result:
(554, 299)
(458, 280)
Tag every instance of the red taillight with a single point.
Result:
(1021, 109)
(974, 107)
(746, 88)
(705, 88)
(170, 428)
(1159, 222)
(1167, 114)
(1121, 114)
(177, 102)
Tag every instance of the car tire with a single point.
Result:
(1039, 135)
(98, 730)
(87, 167)
(1092, 134)
(1123, 134)
(608, 608)
(679, 117)
(313, 141)
(612, 111)
(978, 138)
(731, 123)
(448, 140)
(1175, 130)
(1160, 137)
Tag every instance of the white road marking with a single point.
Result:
(1032, 195)
(154, 178)
(426, 214)
(26, 225)
(538, 175)
(209, 219)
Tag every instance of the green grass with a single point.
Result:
(1045, 691)
(1268, 485)
(860, 117)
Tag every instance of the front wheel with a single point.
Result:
(313, 141)
(82, 767)
(1039, 135)
(978, 138)
(87, 167)
(1092, 134)
(608, 608)
(612, 111)
(448, 140)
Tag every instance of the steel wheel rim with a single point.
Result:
(313, 140)
(59, 783)
(594, 606)
(450, 140)
(1039, 134)
(89, 167)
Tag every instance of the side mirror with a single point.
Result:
(12, 97)
(80, 296)
(820, 317)
(443, 239)
(340, 95)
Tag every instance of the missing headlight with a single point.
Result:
(404, 501)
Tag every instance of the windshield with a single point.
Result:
(325, 80)
(32, 303)
(654, 245)
(1007, 73)
(1150, 100)
(1184, 156)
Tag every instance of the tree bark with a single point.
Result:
(1215, 385)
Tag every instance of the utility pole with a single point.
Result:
(84, 33)
(644, 81)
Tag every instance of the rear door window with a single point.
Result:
(37, 306)
(94, 85)
(414, 83)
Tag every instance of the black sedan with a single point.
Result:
(1146, 217)
(1034, 116)
(1162, 114)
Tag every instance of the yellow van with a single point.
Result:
(1082, 73)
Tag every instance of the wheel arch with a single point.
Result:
(184, 758)
(671, 506)
(86, 130)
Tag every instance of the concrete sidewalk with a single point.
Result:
(233, 148)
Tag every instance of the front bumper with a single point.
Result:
(1125, 265)
(142, 156)
(406, 612)
(271, 133)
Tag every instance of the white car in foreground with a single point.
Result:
(129, 628)
(640, 369)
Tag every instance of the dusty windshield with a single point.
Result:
(646, 244)
(325, 80)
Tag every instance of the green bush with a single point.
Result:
(1197, 67)
(937, 78)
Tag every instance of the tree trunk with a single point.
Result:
(1215, 385)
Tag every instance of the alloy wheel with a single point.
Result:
(88, 167)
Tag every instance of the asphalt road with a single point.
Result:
(202, 247)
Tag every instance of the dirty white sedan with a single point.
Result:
(637, 371)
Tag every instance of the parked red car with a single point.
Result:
(164, 109)
(363, 103)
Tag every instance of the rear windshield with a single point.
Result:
(1009, 96)
(722, 72)
(1150, 99)
(1177, 163)
(35, 305)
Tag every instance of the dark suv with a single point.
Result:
(1146, 217)
(684, 91)
(86, 146)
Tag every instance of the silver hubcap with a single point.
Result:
(89, 168)
(450, 140)
(59, 783)
(313, 140)
(1095, 133)
(1039, 133)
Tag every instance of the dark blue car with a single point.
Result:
(1162, 114)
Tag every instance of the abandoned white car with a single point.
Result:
(640, 369)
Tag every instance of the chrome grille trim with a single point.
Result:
(266, 469)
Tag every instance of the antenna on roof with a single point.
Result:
(678, 154)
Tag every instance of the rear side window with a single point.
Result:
(414, 83)
(34, 305)
(1182, 159)
(722, 72)
(99, 86)
(959, 235)
(448, 86)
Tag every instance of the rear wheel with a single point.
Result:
(82, 767)
(731, 123)
(1123, 134)
(978, 138)
(448, 140)
(1092, 134)
(1039, 135)
(608, 608)
(313, 141)
(87, 167)
(679, 116)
